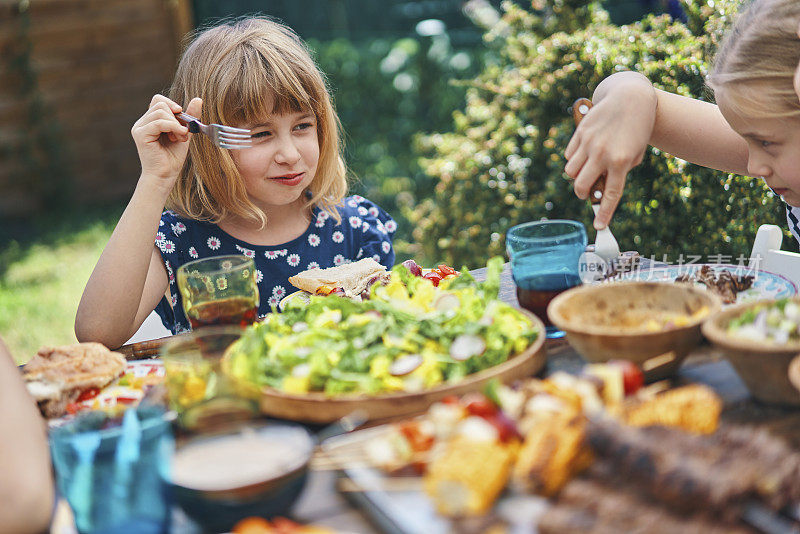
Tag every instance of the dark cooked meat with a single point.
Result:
(718, 473)
(591, 506)
(721, 282)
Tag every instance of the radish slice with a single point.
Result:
(446, 302)
(405, 364)
(466, 346)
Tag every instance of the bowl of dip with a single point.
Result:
(253, 471)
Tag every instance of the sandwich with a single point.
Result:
(351, 280)
(58, 376)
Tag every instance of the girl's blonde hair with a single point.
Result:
(243, 70)
(760, 54)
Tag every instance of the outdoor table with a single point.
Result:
(323, 505)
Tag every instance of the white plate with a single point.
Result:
(766, 285)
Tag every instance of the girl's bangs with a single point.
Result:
(262, 88)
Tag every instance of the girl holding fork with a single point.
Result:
(753, 129)
(282, 201)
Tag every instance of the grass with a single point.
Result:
(43, 270)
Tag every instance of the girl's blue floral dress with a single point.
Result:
(365, 231)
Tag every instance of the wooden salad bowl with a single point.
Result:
(764, 367)
(603, 322)
(320, 408)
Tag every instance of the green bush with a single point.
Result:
(503, 163)
(386, 91)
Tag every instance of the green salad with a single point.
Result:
(778, 322)
(408, 336)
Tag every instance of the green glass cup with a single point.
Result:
(218, 291)
(201, 389)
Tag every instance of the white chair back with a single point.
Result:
(768, 256)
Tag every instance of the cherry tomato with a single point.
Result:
(434, 277)
(450, 399)
(88, 394)
(253, 525)
(506, 428)
(446, 270)
(479, 404)
(417, 439)
(632, 376)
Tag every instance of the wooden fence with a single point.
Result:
(74, 77)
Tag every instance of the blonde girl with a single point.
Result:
(753, 129)
(281, 202)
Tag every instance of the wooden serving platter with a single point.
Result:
(320, 408)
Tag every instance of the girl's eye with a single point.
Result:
(765, 144)
(303, 126)
(265, 133)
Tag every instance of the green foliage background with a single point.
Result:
(502, 162)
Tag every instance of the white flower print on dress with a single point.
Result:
(386, 247)
(359, 198)
(360, 253)
(279, 291)
(174, 300)
(272, 254)
(273, 300)
(282, 252)
(365, 227)
(193, 253)
(355, 222)
(246, 251)
(293, 260)
(160, 237)
(376, 257)
(353, 203)
(337, 236)
(391, 226)
(161, 223)
(373, 211)
(338, 259)
(322, 216)
(313, 240)
(213, 243)
(167, 246)
(178, 228)
(169, 271)
(313, 265)
(362, 211)
(381, 228)
(259, 276)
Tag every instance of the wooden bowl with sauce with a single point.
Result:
(652, 324)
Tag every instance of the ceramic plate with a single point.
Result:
(766, 285)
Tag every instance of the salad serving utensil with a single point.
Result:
(222, 136)
(606, 245)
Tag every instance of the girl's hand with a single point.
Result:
(162, 141)
(611, 139)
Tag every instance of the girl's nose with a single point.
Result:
(287, 152)
(756, 166)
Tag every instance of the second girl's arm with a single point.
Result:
(130, 278)
(629, 114)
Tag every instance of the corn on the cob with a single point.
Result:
(469, 475)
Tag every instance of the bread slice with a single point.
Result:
(57, 376)
(352, 278)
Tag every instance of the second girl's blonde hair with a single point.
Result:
(760, 54)
(243, 70)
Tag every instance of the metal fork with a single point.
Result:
(222, 136)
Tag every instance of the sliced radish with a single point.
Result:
(466, 346)
(405, 364)
(446, 302)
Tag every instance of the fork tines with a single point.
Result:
(232, 138)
